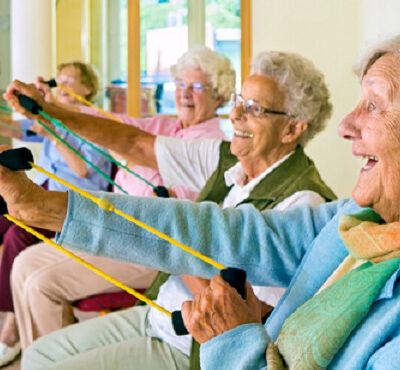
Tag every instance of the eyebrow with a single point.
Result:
(267, 104)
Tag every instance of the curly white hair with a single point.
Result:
(218, 67)
(371, 54)
(306, 94)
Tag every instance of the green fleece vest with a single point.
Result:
(297, 173)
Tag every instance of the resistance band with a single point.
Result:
(27, 131)
(33, 107)
(160, 191)
(89, 266)
(22, 159)
(235, 277)
(70, 147)
(17, 128)
(53, 83)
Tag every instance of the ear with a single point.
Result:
(218, 101)
(293, 131)
(88, 91)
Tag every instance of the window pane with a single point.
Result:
(164, 38)
(223, 34)
(117, 50)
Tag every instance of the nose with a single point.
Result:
(349, 128)
(236, 114)
(186, 92)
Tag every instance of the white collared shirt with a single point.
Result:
(240, 191)
(192, 162)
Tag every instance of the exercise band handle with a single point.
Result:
(161, 191)
(52, 83)
(235, 277)
(17, 160)
(30, 133)
(29, 104)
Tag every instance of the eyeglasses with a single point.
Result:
(195, 87)
(65, 80)
(253, 108)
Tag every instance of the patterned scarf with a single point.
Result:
(312, 335)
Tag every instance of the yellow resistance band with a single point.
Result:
(106, 205)
(89, 266)
(87, 102)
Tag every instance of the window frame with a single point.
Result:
(133, 97)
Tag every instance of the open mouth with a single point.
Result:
(245, 134)
(371, 161)
(187, 105)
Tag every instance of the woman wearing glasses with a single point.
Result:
(283, 104)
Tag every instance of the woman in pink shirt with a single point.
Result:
(44, 281)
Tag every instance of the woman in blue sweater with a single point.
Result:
(340, 261)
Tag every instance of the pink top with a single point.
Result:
(166, 126)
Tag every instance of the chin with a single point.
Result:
(361, 197)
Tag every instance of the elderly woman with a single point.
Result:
(56, 158)
(266, 167)
(204, 80)
(339, 261)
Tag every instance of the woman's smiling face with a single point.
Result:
(259, 137)
(374, 128)
(195, 107)
(70, 77)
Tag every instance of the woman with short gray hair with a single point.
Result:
(217, 67)
(306, 93)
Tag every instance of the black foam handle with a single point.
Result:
(235, 277)
(30, 133)
(29, 104)
(161, 191)
(17, 159)
(52, 83)
(3, 206)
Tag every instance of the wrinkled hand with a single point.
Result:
(44, 89)
(18, 191)
(16, 88)
(219, 308)
(40, 130)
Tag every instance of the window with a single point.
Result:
(167, 28)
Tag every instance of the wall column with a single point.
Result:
(32, 46)
(32, 39)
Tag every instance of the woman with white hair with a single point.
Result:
(283, 104)
(45, 282)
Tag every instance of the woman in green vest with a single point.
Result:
(264, 165)
(283, 104)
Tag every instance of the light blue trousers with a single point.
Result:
(118, 341)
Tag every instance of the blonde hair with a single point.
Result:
(89, 77)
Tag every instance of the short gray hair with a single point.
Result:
(374, 52)
(306, 94)
(218, 67)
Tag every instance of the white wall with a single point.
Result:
(331, 33)
(381, 18)
(327, 32)
(32, 46)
